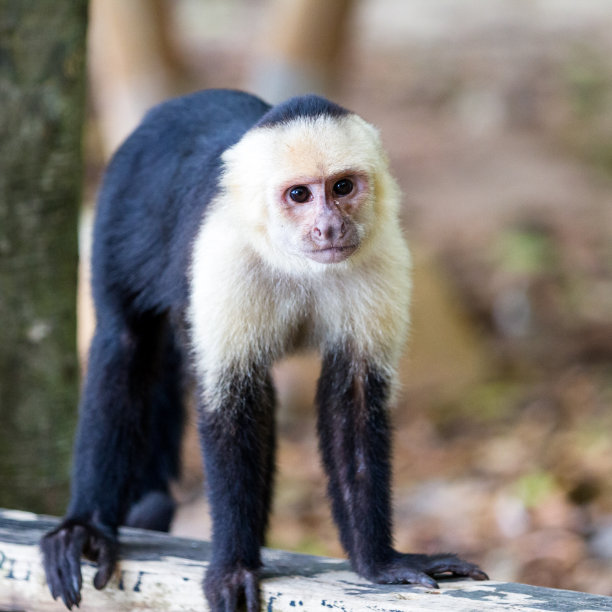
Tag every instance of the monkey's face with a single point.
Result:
(319, 216)
(309, 192)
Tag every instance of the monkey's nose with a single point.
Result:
(327, 231)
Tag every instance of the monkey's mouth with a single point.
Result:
(332, 254)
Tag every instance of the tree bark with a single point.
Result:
(42, 93)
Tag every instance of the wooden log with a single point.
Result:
(161, 572)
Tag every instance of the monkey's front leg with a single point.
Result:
(237, 435)
(354, 437)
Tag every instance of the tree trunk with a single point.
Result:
(42, 89)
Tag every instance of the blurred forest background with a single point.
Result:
(497, 116)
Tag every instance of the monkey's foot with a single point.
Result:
(421, 569)
(227, 589)
(62, 549)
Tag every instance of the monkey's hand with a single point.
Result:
(227, 589)
(421, 569)
(62, 549)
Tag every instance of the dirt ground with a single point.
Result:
(497, 116)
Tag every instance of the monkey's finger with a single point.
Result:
(56, 569)
(478, 574)
(406, 575)
(229, 595)
(103, 575)
(49, 545)
(69, 566)
(449, 563)
(67, 599)
(69, 594)
(404, 570)
(107, 558)
(424, 580)
(65, 590)
(251, 592)
(74, 551)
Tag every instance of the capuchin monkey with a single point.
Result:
(229, 234)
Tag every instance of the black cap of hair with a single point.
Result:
(301, 106)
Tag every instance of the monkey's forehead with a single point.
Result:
(306, 146)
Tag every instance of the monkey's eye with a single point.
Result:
(299, 194)
(343, 187)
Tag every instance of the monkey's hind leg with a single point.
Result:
(153, 506)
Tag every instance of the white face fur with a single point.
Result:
(271, 274)
(263, 169)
